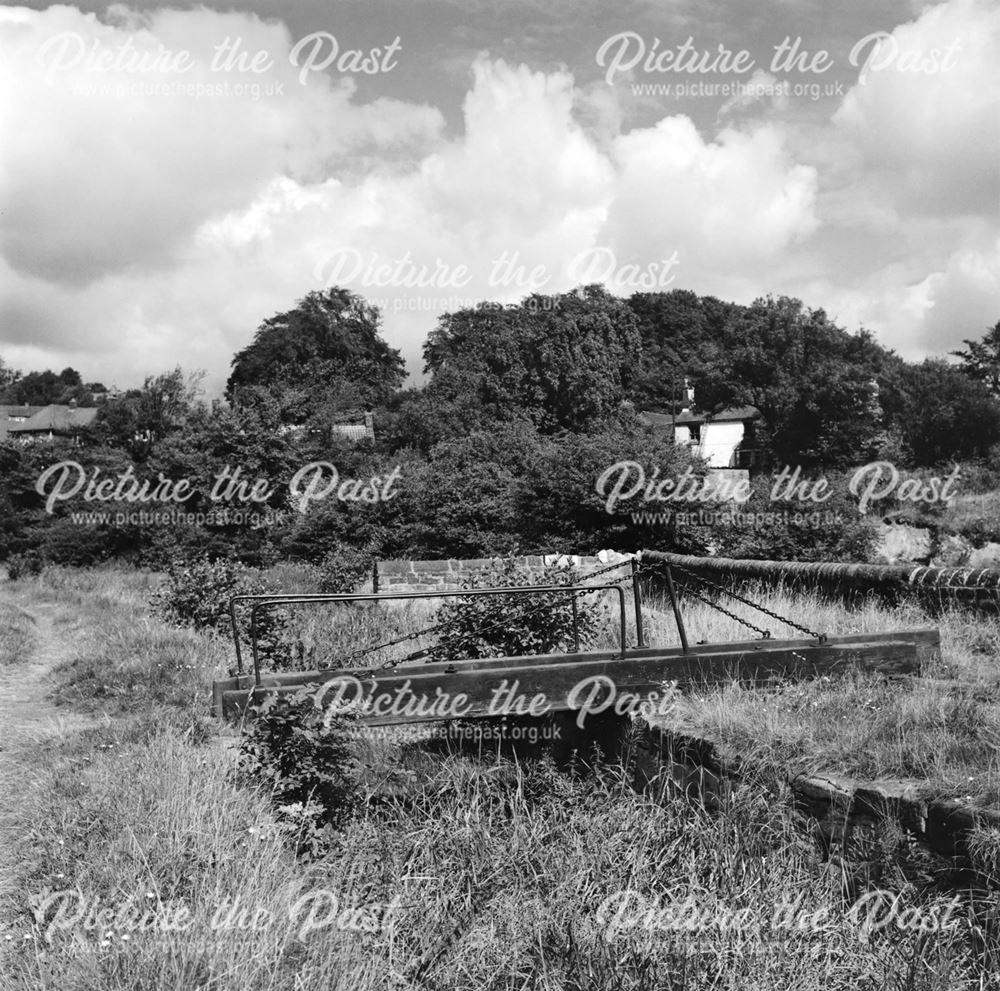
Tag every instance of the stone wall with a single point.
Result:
(439, 576)
(900, 543)
(839, 805)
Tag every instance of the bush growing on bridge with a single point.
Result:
(514, 625)
(343, 569)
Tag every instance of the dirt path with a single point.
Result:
(27, 718)
(25, 712)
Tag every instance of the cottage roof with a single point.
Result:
(688, 417)
(11, 416)
(56, 419)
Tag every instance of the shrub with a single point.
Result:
(344, 569)
(197, 594)
(795, 529)
(513, 625)
(300, 752)
(23, 565)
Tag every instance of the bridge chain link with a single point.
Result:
(764, 634)
(415, 635)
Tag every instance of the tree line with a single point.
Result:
(522, 408)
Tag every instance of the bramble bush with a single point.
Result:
(197, 593)
(343, 569)
(514, 625)
(23, 565)
(300, 753)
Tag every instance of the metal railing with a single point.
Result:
(265, 601)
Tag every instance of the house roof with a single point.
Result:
(736, 413)
(55, 419)
(11, 416)
(352, 431)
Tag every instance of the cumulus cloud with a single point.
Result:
(143, 229)
(924, 117)
(128, 140)
(735, 201)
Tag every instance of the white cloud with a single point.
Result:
(924, 119)
(140, 232)
(116, 168)
(736, 202)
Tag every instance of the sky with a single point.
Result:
(170, 177)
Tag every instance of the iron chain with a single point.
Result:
(821, 637)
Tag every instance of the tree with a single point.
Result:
(683, 335)
(561, 509)
(327, 349)
(466, 502)
(814, 384)
(44, 388)
(559, 362)
(8, 376)
(942, 415)
(981, 359)
(139, 420)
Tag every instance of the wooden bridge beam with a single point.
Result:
(508, 686)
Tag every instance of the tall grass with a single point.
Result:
(473, 874)
(120, 658)
(486, 876)
(943, 730)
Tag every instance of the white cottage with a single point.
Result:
(724, 439)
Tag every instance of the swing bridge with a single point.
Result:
(435, 683)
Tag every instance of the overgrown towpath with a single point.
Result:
(37, 638)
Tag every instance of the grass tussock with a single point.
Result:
(861, 727)
(17, 635)
(136, 661)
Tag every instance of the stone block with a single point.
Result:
(987, 556)
(899, 543)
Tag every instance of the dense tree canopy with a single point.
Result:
(325, 351)
(814, 384)
(559, 362)
(499, 450)
(43, 388)
(140, 418)
(683, 336)
(942, 415)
